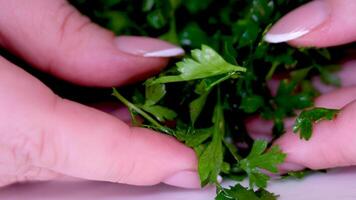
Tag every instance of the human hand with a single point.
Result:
(43, 136)
(320, 23)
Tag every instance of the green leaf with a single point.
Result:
(297, 174)
(203, 64)
(304, 122)
(196, 106)
(211, 159)
(192, 35)
(161, 113)
(147, 5)
(265, 195)
(154, 93)
(239, 192)
(132, 107)
(328, 75)
(156, 19)
(195, 137)
(196, 5)
(259, 159)
(251, 104)
(210, 162)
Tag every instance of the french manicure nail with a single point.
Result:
(147, 47)
(184, 179)
(299, 22)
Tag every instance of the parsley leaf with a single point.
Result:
(304, 122)
(211, 159)
(259, 159)
(203, 64)
(153, 94)
(251, 103)
(239, 192)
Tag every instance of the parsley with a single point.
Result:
(239, 192)
(304, 122)
(259, 159)
(204, 98)
(211, 159)
(204, 63)
(153, 94)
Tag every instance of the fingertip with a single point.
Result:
(185, 179)
(259, 128)
(319, 23)
(293, 25)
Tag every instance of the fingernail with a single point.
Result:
(299, 22)
(147, 47)
(184, 179)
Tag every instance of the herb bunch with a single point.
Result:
(204, 99)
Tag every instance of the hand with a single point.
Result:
(321, 23)
(43, 136)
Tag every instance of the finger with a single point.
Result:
(332, 143)
(53, 36)
(319, 23)
(28, 174)
(346, 76)
(39, 128)
(260, 128)
(116, 109)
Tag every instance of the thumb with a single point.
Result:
(53, 36)
(319, 23)
(46, 132)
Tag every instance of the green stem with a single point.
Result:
(271, 71)
(132, 106)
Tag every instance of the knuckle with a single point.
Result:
(22, 147)
(71, 22)
(33, 148)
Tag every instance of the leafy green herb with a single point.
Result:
(235, 65)
(153, 94)
(259, 159)
(134, 108)
(297, 174)
(304, 122)
(251, 104)
(211, 159)
(239, 192)
(204, 63)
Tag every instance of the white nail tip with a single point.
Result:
(165, 53)
(284, 37)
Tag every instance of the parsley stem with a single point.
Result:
(272, 70)
(132, 106)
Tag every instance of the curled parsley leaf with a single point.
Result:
(304, 122)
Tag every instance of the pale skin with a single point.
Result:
(44, 137)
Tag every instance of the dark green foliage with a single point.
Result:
(204, 98)
(239, 192)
